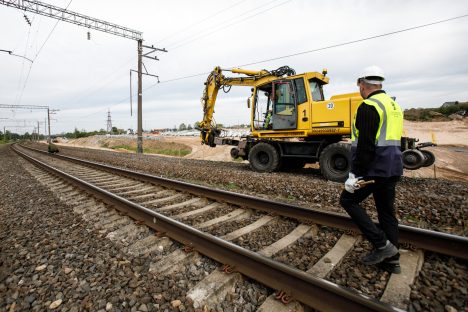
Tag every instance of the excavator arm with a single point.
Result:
(216, 80)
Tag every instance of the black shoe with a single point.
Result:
(380, 254)
(392, 267)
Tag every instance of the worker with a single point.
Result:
(376, 155)
(267, 122)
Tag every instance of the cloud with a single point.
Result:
(84, 78)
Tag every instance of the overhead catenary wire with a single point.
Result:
(191, 25)
(104, 82)
(196, 23)
(320, 49)
(50, 34)
(295, 54)
(37, 54)
(200, 21)
(203, 35)
(22, 66)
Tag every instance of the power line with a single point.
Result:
(321, 49)
(22, 66)
(50, 34)
(109, 77)
(290, 55)
(191, 38)
(355, 41)
(201, 21)
(37, 54)
(191, 25)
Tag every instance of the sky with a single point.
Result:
(84, 79)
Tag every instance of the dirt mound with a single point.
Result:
(444, 133)
(451, 152)
(156, 145)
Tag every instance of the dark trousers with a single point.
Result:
(383, 191)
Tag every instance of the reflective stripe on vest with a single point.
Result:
(382, 133)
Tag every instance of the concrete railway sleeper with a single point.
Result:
(289, 234)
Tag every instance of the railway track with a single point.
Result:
(189, 214)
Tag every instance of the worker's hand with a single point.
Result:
(352, 183)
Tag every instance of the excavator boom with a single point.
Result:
(216, 80)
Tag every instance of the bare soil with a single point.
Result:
(451, 151)
(121, 144)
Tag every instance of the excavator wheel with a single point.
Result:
(429, 158)
(335, 162)
(264, 157)
(413, 159)
(234, 152)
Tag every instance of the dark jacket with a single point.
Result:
(367, 158)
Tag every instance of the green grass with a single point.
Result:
(232, 186)
(125, 147)
(149, 150)
(170, 152)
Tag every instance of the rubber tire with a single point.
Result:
(413, 159)
(335, 162)
(429, 158)
(264, 157)
(234, 152)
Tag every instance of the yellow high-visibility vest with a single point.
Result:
(391, 121)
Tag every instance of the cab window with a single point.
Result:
(283, 99)
(300, 90)
(316, 90)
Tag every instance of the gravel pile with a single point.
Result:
(428, 203)
(442, 285)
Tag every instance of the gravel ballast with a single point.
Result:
(50, 257)
(417, 201)
(427, 203)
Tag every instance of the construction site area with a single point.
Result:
(213, 160)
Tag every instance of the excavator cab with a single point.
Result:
(275, 106)
(284, 106)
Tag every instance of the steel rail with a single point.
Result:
(314, 292)
(444, 243)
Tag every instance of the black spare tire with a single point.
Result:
(413, 159)
(429, 158)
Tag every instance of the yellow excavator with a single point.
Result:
(291, 123)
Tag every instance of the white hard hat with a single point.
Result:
(372, 74)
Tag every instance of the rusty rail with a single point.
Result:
(444, 243)
(315, 292)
